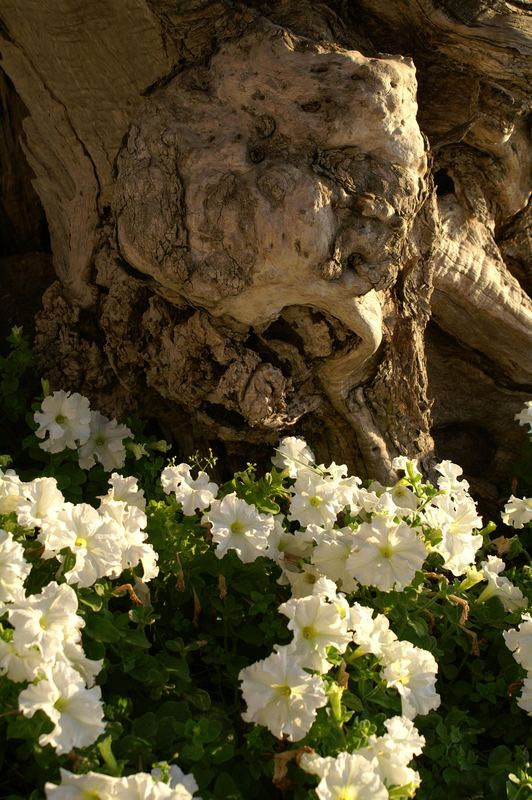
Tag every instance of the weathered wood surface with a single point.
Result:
(246, 228)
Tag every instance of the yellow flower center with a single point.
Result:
(347, 794)
(283, 689)
(60, 419)
(99, 441)
(60, 704)
(237, 527)
(386, 551)
(309, 632)
(80, 542)
(315, 501)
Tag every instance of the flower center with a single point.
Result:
(309, 632)
(237, 527)
(80, 542)
(60, 419)
(342, 613)
(315, 501)
(60, 704)
(386, 551)
(284, 690)
(347, 794)
(99, 440)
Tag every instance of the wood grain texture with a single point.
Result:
(255, 209)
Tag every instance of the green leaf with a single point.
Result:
(226, 787)
(192, 751)
(102, 630)
(136, 638)
(199, 698)
(145, 726)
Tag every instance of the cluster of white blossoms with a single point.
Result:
(519, 641)
(321, 562)
(194, 494)
(408, 669)
(373, 769)
(386, 542)
(104, 541)
(66, 421)
(43, 647)
(140, 786)
(42, 644)
(389, 534)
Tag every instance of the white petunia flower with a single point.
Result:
(519, 641)
(367, 500)
(46, 620)
(14, 569)
(281, 696)
(394, 751)
(237, 525)
(126, 490)
(404, 499)
(126, 524)
(386, 555)
(524, 417)
(349, 776)
(105, 444)
(315, 500)
(10, 491)
(84, 532)
(303, 581)
(143, 786)
(372, 635)
(348, 490)
(65, 418)
(288, 549)
(177, 778)
(73, 655)
(412, 671)
(194, 494)
(316, 625)
(19, 663)
(90, 786)
(407, 465)
(498, 586)
(449, 481)
(278, 541)
(456, 518)
(331, 554)
(77, 712)
(517, 511)
(41, 501)
(292, 455)
(525, 698)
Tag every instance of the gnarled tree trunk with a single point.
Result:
(286, 217)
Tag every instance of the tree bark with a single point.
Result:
(255, 209)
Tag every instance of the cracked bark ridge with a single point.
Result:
(244, 223)
(473, 106)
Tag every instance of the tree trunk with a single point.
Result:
(256, 208)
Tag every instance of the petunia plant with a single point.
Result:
(299, 634)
